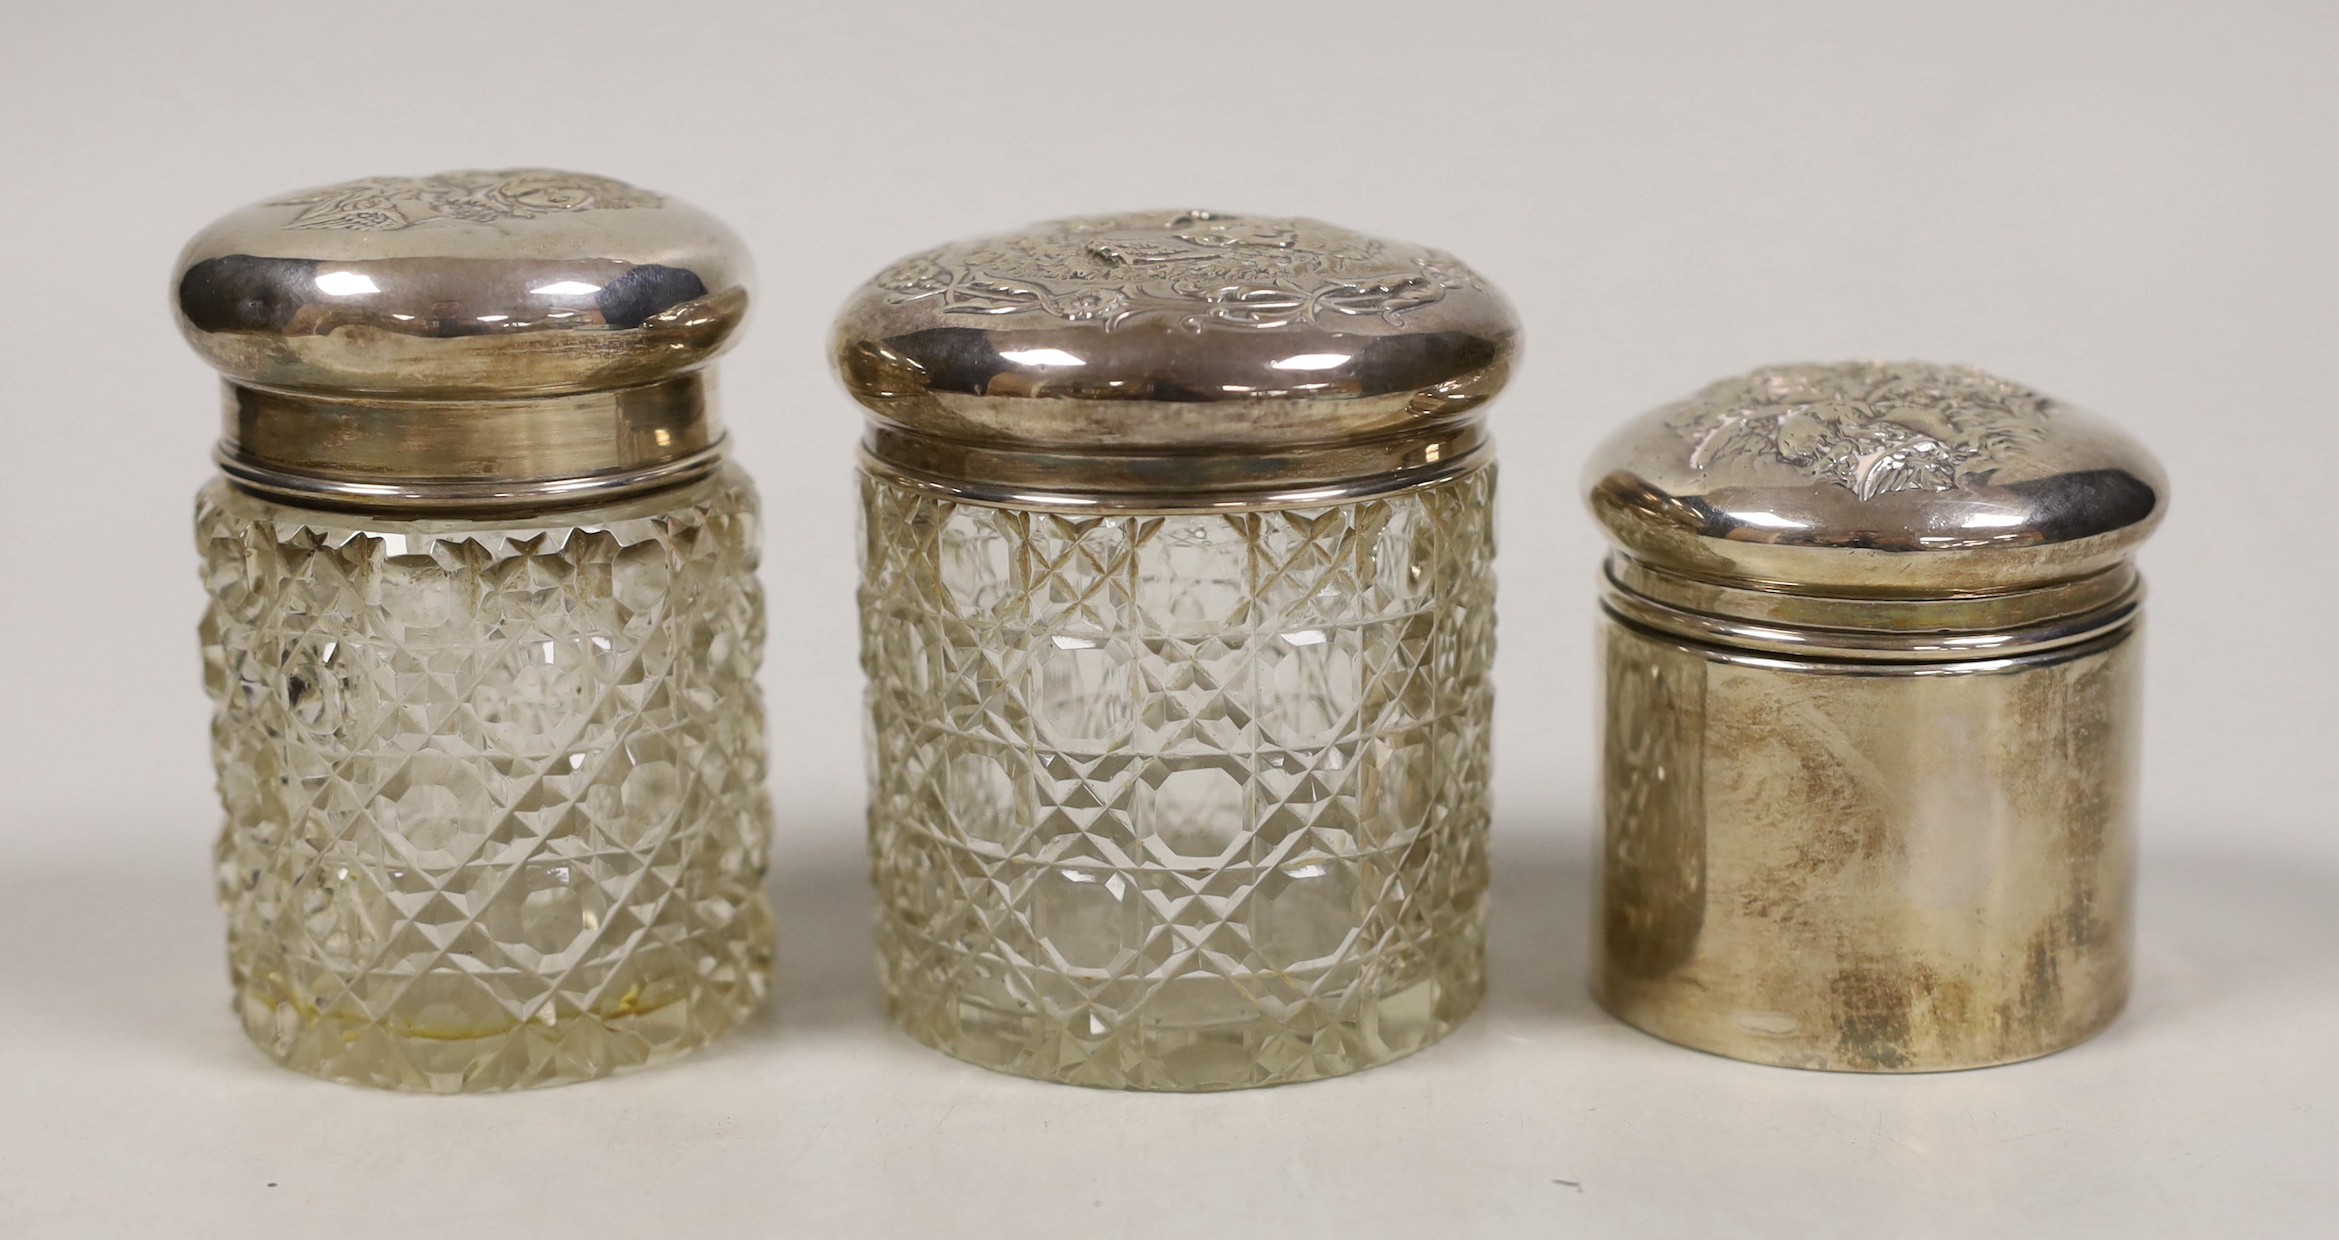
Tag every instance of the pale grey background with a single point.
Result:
(2130, 205)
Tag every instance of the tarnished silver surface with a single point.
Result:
(469, 339)
(1177, 482)
(1174, 360)
(1859, 867)
(1869, 751)
(1872, 479)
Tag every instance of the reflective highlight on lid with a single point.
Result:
(1862, 477)
(1182, 336)
(466, 340)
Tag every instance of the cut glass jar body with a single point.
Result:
(494, 788)
(1179, 801)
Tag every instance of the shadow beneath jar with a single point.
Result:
(826, 974)
(1539, 931)
(126, 949)
(2221, 932)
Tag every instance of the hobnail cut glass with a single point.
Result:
(494, 790)
(1179, 802)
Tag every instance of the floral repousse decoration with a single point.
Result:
(387, 204)
(1198, 268)
(1870, 427)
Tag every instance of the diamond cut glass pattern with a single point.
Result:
(494, 791)
(1179, 802)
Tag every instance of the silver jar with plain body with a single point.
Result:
(1177, 610)
(1869, 753)
(484, 629)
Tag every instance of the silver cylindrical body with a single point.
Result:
(1869, 742)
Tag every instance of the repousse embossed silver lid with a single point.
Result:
(1872, 495)
(1175, 359)
(1893, 477)
(465, 340)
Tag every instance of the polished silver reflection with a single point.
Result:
(1193, 360)
(1869, 746)
(488, 339)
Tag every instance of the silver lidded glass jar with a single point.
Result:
(484, 628)
(1872, 695)
(1177, 613)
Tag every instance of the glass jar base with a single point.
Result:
(1305, 1045)
(521, 1055)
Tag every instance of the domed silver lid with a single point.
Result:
(1175, 358)
(1876, 481)
(469, 339)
